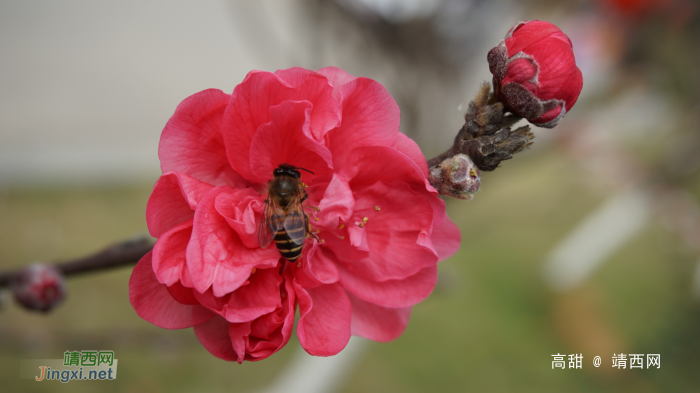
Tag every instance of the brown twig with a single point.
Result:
(486, 139)
(121, 254)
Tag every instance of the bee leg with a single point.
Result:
(305, 196)
(308, 228)
(314, 236)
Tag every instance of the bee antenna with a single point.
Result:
(303, 169)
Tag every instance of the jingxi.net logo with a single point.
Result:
(86, 365)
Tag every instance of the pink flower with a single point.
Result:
(535, 73)
(382, 226)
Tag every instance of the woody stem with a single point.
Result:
(481, 144)
(121, 254)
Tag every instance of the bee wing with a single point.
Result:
(269, 223)
(295, 221)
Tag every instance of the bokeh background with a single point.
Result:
(588, 243)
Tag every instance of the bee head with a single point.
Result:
(291, 170)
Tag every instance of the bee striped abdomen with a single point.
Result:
(290, 242)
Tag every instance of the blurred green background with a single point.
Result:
(78, 143)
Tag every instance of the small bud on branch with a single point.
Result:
(40, 286)
(457, 176)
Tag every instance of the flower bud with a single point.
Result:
(39, 287)
(457, 177)
(535, 73)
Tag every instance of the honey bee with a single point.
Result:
(284, 220)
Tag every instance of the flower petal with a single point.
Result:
(248, 109)
(261, 296)
(392, 234)
(216, 256)
(530, 32)
(183, 294)
(446, 239)
(556, 60)
(370, 117)
(522, 70)
(242, 209)
(153, 302)
(169, 253)
(337, 78)
(318, 263)
(174, 198)
(375, 322)
(408, 147)
(324, 326)
(391, 293)
(314, 87)
(238, 332)
(370, 164)
(192, 142)
(272, 332)
(337, 203)
(287, 139)
(215, 337)
(571, 89)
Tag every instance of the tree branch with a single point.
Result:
(482, 143)
(121, 254)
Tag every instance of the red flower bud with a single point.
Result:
(39, 287)
(535, 73)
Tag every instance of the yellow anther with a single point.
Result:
(342, 238)
(253, 270)
(377, 208)
(304, 184)
(472, 172)
(316, 218)
(364, 220)
(318, 209)
(362, 225)
(322, 241)
(341, 226)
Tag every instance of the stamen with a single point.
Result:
(341, 226)
(377, 208)
(321, 241)
(318, 209)
(364, 220)
(362, 225)
(304, 184)
(316, 218)
(253, 270)
(342, 238)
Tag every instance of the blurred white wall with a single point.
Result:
(86, 87)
